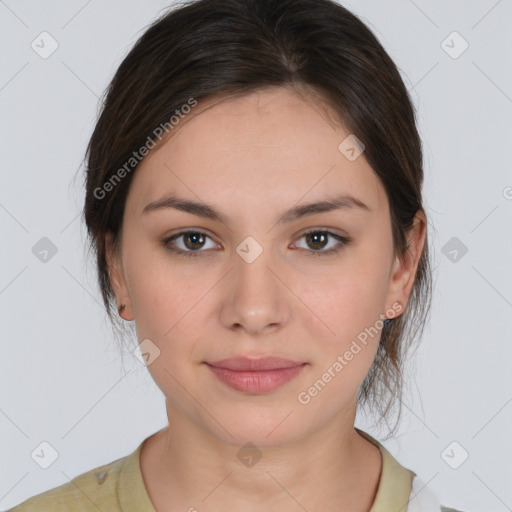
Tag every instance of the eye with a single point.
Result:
(192, 240)
(319, 239)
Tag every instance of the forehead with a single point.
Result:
(270, 148)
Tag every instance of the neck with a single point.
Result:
(334, 468)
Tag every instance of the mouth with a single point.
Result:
(256, 376)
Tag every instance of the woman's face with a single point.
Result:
(253, 283)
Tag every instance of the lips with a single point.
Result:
(256, 376)
(245, 364)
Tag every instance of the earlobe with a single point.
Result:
(117, 279)
(405, 267)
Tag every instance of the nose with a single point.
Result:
(255, 298)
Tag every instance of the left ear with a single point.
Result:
(117, 279)
(403, 273)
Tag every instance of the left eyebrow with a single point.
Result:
(297, 212)
(328, 205)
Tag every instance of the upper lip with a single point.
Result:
(260, 364)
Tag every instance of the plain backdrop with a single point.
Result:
(62, 377)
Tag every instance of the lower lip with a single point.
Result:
(256, 382)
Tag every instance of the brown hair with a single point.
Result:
(208, 49)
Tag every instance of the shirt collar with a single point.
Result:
(395, 482)
(131, 491)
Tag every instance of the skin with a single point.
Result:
(254, 157)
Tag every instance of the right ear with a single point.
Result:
(117, 278)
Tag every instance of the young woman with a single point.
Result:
(254, 199)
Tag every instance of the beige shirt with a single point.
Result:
(119, 487)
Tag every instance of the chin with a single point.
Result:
(266, 429)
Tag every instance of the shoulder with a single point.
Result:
(90, 491)
(399, 485)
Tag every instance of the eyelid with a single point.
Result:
(323, 229)
(178, 234)
(343, 240)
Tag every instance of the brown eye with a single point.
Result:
(191, 244)
(317, 240)
(193, 240)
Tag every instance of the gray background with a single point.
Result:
(63, 380)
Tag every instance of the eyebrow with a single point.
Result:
(297, 212)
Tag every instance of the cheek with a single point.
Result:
(164, 303)
(168, 312)
(349, 301)
(156, 292)
(161, 291)
(350, 305)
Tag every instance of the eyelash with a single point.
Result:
(343, 241)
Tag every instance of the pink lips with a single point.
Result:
(256, 375)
